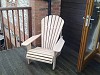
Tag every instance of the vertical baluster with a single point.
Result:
(9, 30)
(30, 22)
(14, 27)
(19, 27)
(23, 24)
(3, 29)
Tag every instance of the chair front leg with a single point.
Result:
(54, 64)
(54, 60)
(29, 61)
(28, 47)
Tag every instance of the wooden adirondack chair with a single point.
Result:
(51, 41)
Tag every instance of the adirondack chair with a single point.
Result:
(51, 41)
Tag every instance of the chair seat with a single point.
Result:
(40, 54)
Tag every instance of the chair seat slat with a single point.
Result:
(39, 54)
(39, 57)
(41, 60)
(42, 51)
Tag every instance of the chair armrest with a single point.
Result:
(30, 40)
(59, 45)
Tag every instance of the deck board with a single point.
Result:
(13, 62)
(6, 64)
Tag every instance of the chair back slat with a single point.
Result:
(51, 27)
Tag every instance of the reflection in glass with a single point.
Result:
(93, 29)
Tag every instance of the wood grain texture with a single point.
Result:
(30, 40)
(73, 11)
(85, 31)
(51, 27)
(14, 27)
(14, 62)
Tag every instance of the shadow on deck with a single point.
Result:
(13, 62)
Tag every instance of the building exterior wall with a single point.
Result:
(39, 11)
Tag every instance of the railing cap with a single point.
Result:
(14, 8)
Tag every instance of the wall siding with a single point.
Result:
(73, 11)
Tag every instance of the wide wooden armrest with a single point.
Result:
(59, 45)
(30, 40)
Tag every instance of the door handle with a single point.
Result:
(98, 7)
(88, 19)
(92, 19)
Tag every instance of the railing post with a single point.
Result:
(30, 22)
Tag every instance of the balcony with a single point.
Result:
(14, 62)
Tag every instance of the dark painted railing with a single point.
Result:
(15, 32)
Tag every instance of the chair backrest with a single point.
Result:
(51, 27)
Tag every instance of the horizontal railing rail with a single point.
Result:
(15, 8)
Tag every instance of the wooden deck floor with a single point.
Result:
(13, 62)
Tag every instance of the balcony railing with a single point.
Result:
(16, 25)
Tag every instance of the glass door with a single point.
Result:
(90, 34)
